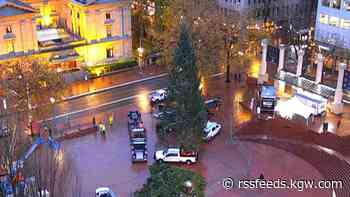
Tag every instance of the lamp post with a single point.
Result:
(188, 187)
(53, 101)
(140, 51)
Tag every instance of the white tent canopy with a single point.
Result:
(293, 106)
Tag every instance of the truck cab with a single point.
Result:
(139, 150)
(268, 99)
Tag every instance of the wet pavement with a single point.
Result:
(121, 77)
(106, 161)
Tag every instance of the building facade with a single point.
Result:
(67, 33)
(282, 12)
(17, 25)
(333, 23)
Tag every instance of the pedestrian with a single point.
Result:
(338, 123)
(261, 177)
(94, 121)
(110, 120)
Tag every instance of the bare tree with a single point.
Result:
(52, 171)
(29, 84)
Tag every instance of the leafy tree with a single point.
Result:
(167, 180)
(218, 38)
(184, 92)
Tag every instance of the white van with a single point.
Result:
(317, 103)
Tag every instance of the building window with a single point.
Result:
(334, 21)
(344, 23)
(109, 31)
(109, 52)
(324, 18)
(10, 46)
(331, 3)
(347, 5)
(8, 29)
(108, 16)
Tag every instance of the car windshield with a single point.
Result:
(139, 146)
(106, 195)
(156, 94)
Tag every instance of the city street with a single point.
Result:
(106, 161)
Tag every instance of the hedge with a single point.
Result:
(102, 69)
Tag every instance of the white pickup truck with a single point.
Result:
(175, 155)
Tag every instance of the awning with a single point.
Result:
(65, 55)
(51, 34)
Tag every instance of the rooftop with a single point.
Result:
(91, 2)
(14, 7)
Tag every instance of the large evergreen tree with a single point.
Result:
(185, 94)
(167, 180)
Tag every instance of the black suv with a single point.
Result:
(139, 150)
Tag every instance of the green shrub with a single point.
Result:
(98, 70)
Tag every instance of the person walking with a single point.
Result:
(110, 120)
(94, 122)
(338, 123)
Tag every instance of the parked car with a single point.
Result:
(135, 121)
(4, 131)
(176, 155)
(6, 188)
(134, 116)
(211, 130)
(158, 96)
(213, 103)
(139, 150)
(105, 192)
(166, 113)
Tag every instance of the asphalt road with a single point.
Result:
(106, 161)
(108, 99)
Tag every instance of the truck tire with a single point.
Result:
(188, 162)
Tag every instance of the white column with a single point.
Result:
(300, 62)
(281, 57)
(262, 70)
(337, 106)
(319, 70)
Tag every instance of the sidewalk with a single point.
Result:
(118, 78)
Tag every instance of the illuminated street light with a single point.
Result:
(189, 186)
(52, 100)
(140, 51)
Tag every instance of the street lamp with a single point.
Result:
(140, 51)
(53, 101)
(188, 186)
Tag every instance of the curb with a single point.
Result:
(113, 87)
(76, 133)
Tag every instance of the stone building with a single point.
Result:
(67, 33)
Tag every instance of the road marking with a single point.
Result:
(113, 87)
(116, 101)
(97, 106)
